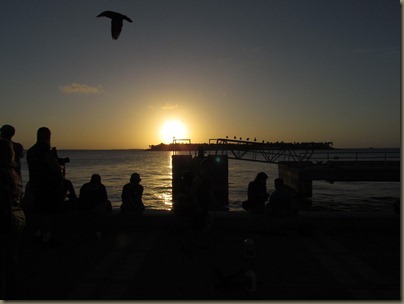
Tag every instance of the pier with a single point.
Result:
(300, 175)
(300, 164)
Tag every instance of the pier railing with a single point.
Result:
(261, 152)
(257, 152)
(357, 156)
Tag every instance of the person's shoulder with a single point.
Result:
(126, 186)
(86, 185)
(18, 146)
(32, 148)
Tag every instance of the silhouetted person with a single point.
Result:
(94, 197)
(182, 205)
(257, 194)
(281, 202)
(46, 184)
(94, 204)
(116, 22)
(70, 196)
(7, 132)
(12, 222)
(131, 196)
(201, 203)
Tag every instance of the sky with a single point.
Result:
(274, 70)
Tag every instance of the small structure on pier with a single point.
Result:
(192, 164)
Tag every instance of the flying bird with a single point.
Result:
(116, 22)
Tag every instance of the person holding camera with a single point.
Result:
(47, 185)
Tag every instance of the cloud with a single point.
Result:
(169, 106)
(76, 88)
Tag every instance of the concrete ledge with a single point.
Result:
(223, 220)
(312, 256)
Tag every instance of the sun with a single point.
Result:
(173, 129)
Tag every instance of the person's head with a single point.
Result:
(7, 132)
(207, 166)
(279, 183)
(6, 152)
(43, 135)
(96, 179)
(261, 177)
(135, 178)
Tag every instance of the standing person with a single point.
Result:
(132, 195)
(281, 202)
(94, 197)
(202, 202)
(47, 185)
(12, 222)
(257, 194)
(7, 132)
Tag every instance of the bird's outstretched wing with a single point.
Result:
(114, 15)
(116, 28)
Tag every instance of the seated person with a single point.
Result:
(281, 202)
(257, 194)
(132, 196)
(70, 199)
(93, 196)
(67, 203)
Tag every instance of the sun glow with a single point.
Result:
(173, 129)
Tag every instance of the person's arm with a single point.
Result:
(124, 195)
(53, 164)
(104, 193)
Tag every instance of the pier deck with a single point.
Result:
(347, 256)
(299, 175)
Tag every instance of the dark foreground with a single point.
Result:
(345, 256)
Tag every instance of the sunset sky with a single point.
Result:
(277, 70)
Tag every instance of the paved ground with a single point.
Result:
(315, 256)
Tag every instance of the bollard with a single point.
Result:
(253, 280)
(249, 254)
(249, 248)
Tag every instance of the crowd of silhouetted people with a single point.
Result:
(280, 203)
(48, 192)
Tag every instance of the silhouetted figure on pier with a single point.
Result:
(94, 196)
(257, 194)
(116, 22)
(202, 201)
(7, 132)
(12, 222)
(182, 205)
(281, 202)
(132, 196)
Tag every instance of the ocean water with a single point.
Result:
(154, 167)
